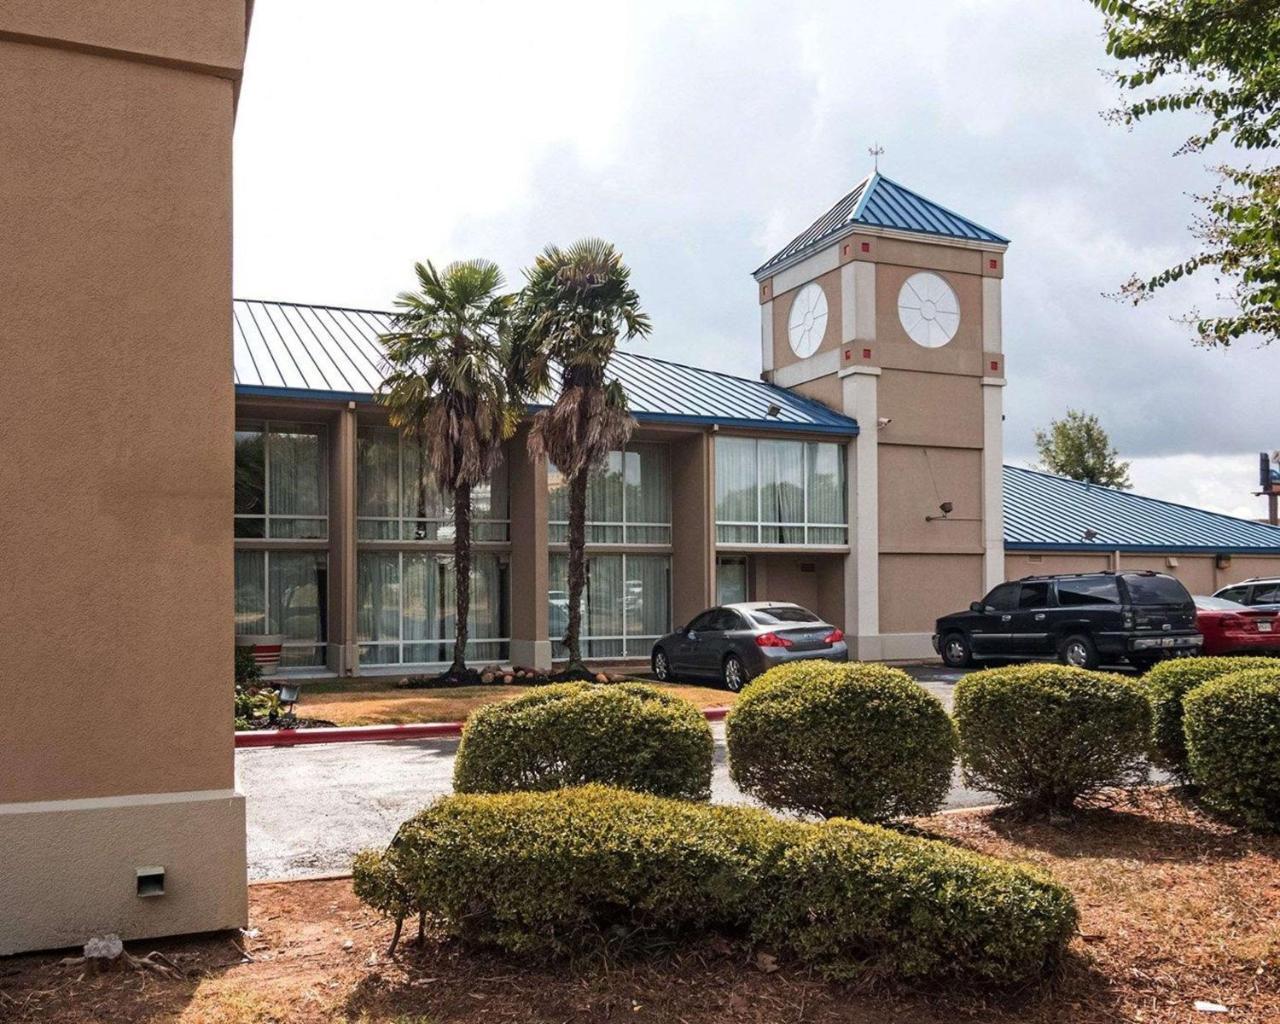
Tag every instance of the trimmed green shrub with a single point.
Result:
(628, 734)
(1041, 737)
(554, 873)
(841, 740)
(1233, 745)
(1166, 684)
(851, 899)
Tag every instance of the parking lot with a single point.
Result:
(311, 807)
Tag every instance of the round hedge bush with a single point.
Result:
(841, 740)
(1232, 728)
(629, 735)
(1040, 737)
(1166, 684)
(544, 874)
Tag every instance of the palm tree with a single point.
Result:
(447, 393)
(575, 305)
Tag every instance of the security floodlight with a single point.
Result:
(774, 409)
(946, 508)
(1090, 534)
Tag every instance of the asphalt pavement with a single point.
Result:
(311, 807)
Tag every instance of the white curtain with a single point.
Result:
(648, 601)
(826, 483)
(297, 480)
(736, 489)
(297, 603)
(378, 482)
(378, 607)
(782, 490)
(251, 592)
(647, 481)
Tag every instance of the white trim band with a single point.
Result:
(102, 803)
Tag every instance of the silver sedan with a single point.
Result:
(736, 642)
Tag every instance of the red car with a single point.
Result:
(1231, 628)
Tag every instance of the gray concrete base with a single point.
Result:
(71, 867)
(893, 647)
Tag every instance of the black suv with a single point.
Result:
(1081, 619)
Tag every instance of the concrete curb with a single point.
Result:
(374, 733)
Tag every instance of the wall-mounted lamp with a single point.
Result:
(946, 508)
(1222, 561)
(884, 421)
(1089, 535)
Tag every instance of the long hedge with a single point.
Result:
(551, 873)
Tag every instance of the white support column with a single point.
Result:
(993, 481)
(766, 336)
(862, 572)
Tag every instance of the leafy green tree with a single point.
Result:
(1219, 58)
(576, 305)
(447, 393)
(1076, 446)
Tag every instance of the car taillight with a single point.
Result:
(772, 640)
(834, 637)
(1236, 622)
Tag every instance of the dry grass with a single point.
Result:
(364, 704)
(1175, 908)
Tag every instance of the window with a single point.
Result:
(626, 604)
(1088, 590)
(1265, 593)
(1034, 595)
(395, 502)
(628, 499)
(725, 619)
(782, 614)
(282, 481)
(780, 492)
(731, 580)
(1237, 594)
(405, 602)
(1004, 598)
(1156, 589)
(285, 592)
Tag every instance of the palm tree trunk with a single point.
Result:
(462, 574)
(577, 567)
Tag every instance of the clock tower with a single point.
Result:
(887, 308)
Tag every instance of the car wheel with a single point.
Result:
(661, 666)
(956, 652)
(1078, 651)
(735, 673)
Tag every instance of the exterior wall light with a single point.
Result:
(945, 507)
(774, 409)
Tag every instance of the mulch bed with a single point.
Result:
(1175, 908)
(496, 675)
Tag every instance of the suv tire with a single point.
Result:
(1079, 651)
(956, 652)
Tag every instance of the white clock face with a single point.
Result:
(808, 321)
(929, 310)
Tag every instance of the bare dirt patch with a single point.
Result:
(388, 706)
(1174, 908)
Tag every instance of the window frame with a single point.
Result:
(321, 647)
(759, 525)
(268, 425)
(625, 637)
(625, 523)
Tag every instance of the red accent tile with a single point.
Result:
(866, 246)
(995, 365)
(866, 353)
(992, 264)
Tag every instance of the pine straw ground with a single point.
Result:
(1175, 908)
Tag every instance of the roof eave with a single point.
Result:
(767, 269)
(1105, 548)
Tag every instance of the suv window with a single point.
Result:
(1156, 589)
(1265, 593)
(1237, 594)
(1088, 590)
(1034, 595)
(1004, 598)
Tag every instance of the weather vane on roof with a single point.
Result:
(876, 151)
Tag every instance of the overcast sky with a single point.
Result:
(701, 137)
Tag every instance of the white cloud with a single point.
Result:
(702, 137)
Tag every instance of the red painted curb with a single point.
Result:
(373, 733)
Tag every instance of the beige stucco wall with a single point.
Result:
(813, 580)
(115, 617)
(916, 589)
(1199, 573)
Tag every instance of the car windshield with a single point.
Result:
(1156, 590)
(1217, 604)
(779, 614)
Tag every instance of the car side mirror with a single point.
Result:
(977, 606)
(682, 631)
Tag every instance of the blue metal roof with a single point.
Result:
(286, 350)
(878, 202)
(1043, 512)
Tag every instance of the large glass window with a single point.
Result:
(780, 492)
(285, 592)
(406, 604)
(626, 604)
(395, 501)
(282, 480)
(628, 499)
